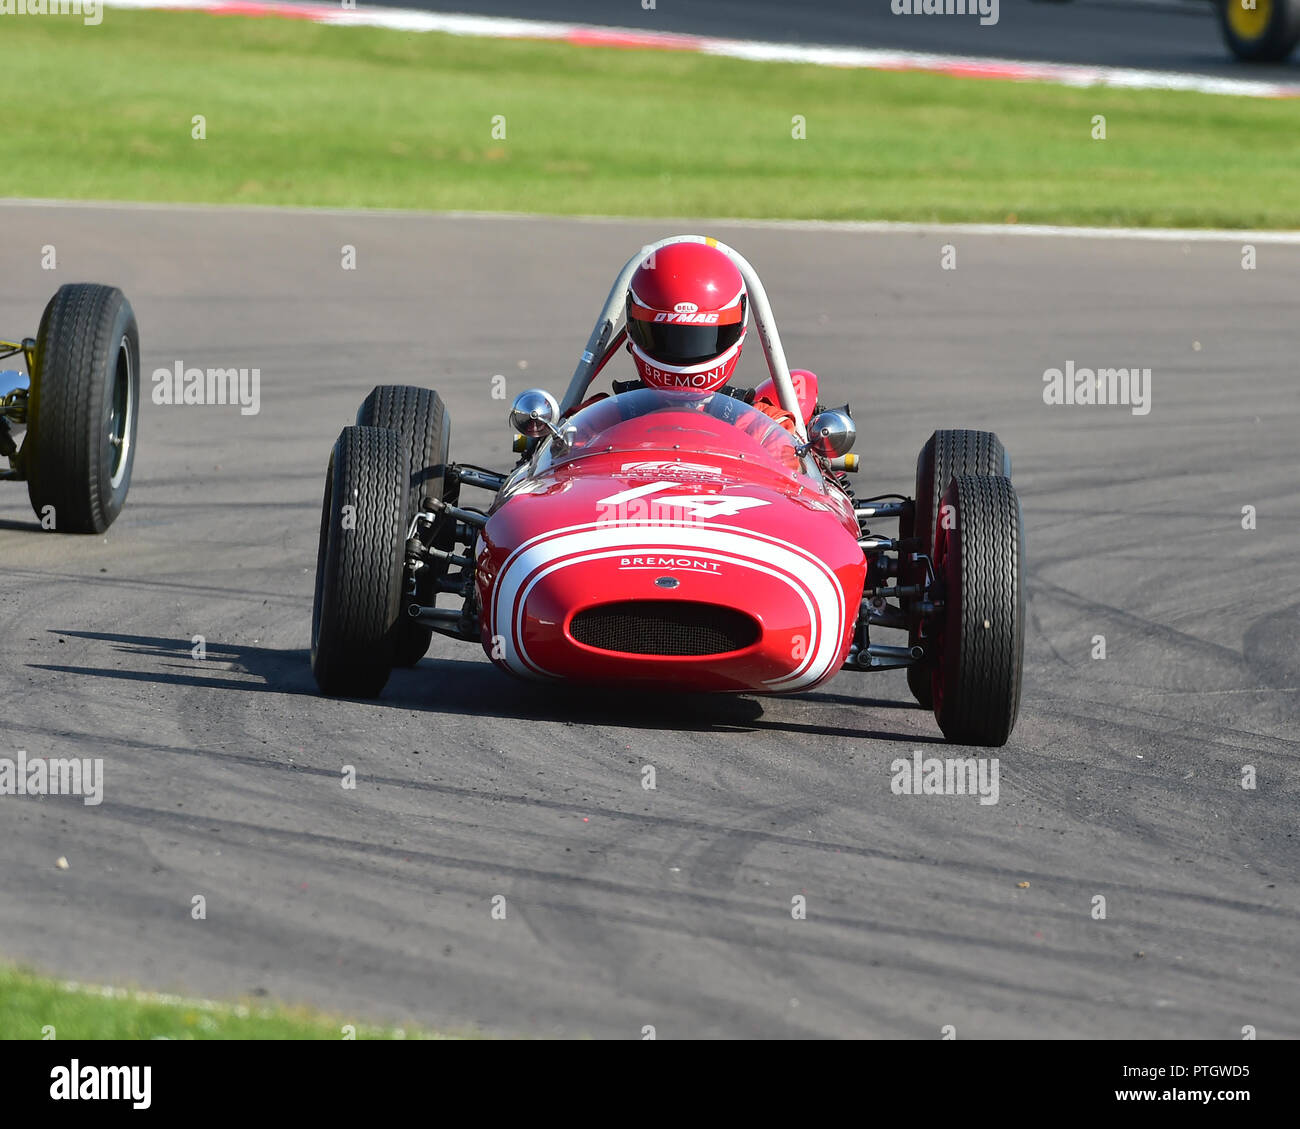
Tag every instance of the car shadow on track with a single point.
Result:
(468, 688)
(280, 672)
(463, 687)
(23, 526)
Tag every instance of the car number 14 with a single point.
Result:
(702, 507)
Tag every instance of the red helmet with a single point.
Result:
(686, 315)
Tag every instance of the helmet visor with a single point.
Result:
(668, 338)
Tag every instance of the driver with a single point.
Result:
(687, 311)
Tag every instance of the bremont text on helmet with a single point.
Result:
(661, 379)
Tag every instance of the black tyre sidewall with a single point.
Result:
(357, 610)
(976, 679)
(408, 410)
(322, 555)
(66, 455)
(951, 450)
(401, 407)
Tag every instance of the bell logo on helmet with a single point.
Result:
(685, 308)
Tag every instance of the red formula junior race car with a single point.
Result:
(680, 532)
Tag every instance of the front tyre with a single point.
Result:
(946, 454)
(356, 613)
(420, 418)
(979, 645)
(84, 411)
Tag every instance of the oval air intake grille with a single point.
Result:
(664, 627)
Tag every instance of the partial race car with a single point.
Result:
(680, 532)
(1256, 31)
(75, 408)
(1260, 31)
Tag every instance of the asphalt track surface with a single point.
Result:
(671, 907)
(1173, 35)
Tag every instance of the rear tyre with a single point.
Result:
(82, 421)
(979, 646)
(357, 610)
(1265, 32)
(420, 418)
(946, 454)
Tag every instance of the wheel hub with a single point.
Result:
(1249, 22)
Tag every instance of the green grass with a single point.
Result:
(30, 1004)
(303, 114)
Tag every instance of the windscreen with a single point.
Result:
(647, 419)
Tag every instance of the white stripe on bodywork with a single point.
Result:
(796, 585)
(792, 564)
